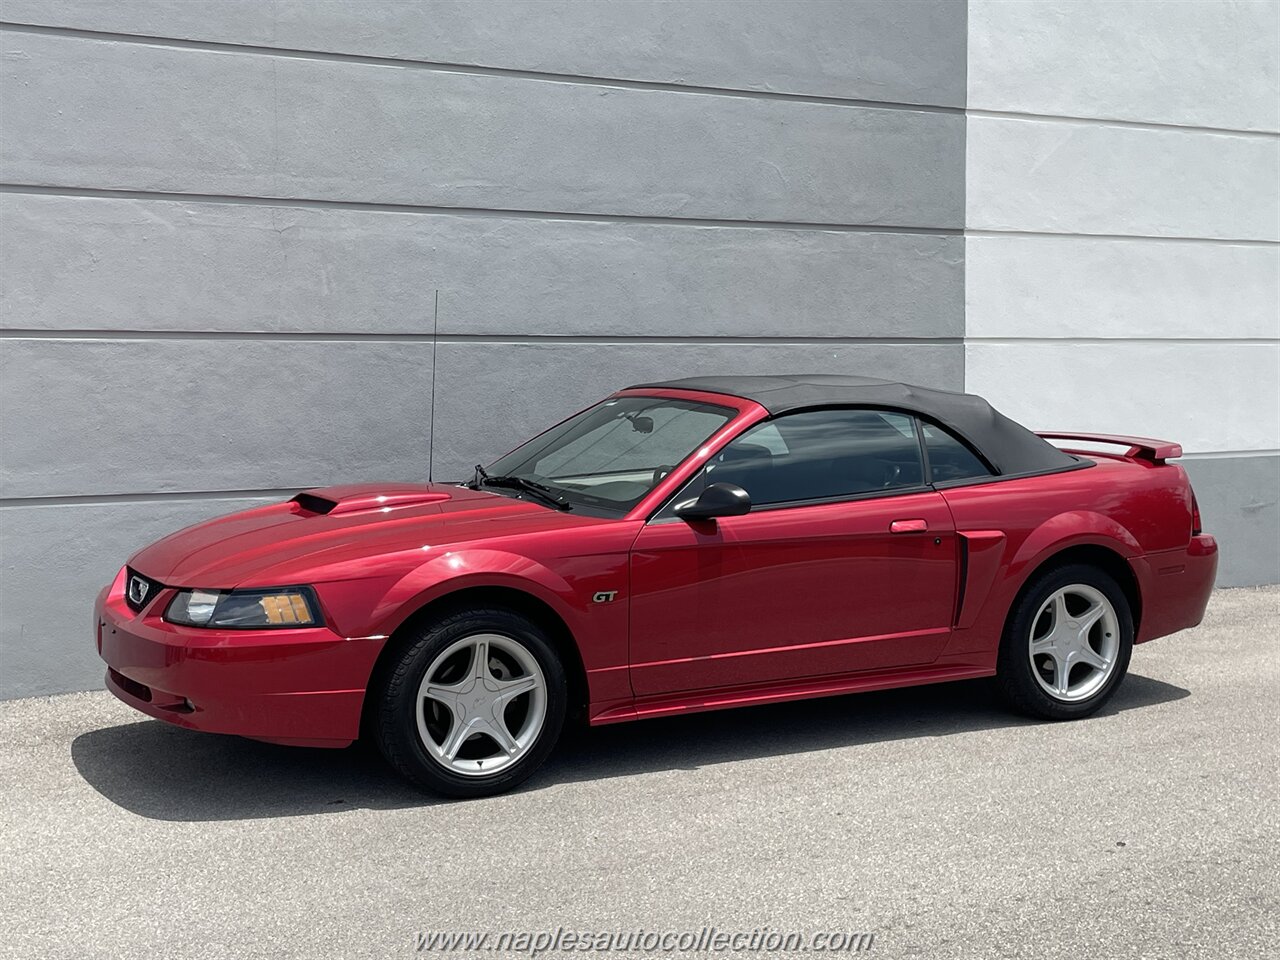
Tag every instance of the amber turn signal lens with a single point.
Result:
(281, 608)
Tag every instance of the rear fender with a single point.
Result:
(1073, 529)
(1062, 532)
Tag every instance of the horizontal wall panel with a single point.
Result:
(54, 560)
(84, 263)
(1018, 286)
(1206, 396)
(880, 50)
(136, 416)
(483, 410)
(1238, 505)
(242, 124)
(1198, 64)
(1069, 177)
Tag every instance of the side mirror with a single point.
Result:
(716, 500)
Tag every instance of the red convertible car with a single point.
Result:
(680, 546)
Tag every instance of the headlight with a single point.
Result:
(245, 609)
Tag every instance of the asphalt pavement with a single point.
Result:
(928, 817)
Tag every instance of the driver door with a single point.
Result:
(845, 563)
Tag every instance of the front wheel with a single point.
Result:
(1067, 644)
(473, 705)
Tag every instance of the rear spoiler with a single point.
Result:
(1140, 448)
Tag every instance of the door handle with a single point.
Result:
(909, 526)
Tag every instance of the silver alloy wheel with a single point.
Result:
(1074, 642)
(481, 704)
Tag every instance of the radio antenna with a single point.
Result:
(431, 440)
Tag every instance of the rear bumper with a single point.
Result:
(1175, 586)
(303, 687)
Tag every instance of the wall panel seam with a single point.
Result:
(1143, 341)
(222, 46)
(435, 66)
(92, 499)
(55, 333)
(94, 193)
(1144, 237)
(1230, 454)
(1132, 124)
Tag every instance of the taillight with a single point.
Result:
(1195, 516)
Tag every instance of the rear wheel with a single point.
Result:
(1067, 644)
(473, 705)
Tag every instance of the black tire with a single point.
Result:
(395, 706)
(1015, 679)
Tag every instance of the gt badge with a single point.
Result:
(604, 596)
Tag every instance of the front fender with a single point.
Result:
(590, 598)
(460, 569)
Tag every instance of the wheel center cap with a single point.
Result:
(474, 698)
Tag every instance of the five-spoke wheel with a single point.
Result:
(1067, 642)
(470, 703)
(1073, 643)
(484, 699)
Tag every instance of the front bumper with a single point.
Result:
(304, 687)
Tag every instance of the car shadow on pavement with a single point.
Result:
(165, 773)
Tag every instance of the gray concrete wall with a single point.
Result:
(225, 225)
(1121, 244)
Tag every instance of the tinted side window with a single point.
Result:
(821, 454)
(949, 459)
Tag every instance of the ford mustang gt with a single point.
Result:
(679, 546)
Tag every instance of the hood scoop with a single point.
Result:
(366, 498)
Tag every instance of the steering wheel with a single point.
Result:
(660, 472)
(891, 474)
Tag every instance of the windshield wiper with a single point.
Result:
(538, 491)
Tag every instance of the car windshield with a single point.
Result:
(604, 460)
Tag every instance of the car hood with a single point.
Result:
(347, 530)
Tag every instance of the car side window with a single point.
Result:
(821, 454)
(949, 457)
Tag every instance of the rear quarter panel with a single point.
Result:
(1134, 508)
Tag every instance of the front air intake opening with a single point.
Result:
(313, 504)
(133, 688)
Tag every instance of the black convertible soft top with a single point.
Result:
(1007, 446)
